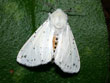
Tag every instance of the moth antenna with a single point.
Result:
(75, 14)
(70, 10)
(50, 10)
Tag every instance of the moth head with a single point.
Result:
(58, 18)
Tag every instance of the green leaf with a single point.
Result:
(20, 18)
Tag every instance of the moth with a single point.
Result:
(53, 40)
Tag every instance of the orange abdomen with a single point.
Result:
(55, 42)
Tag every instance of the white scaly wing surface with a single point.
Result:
(67, 56)
(38, 48)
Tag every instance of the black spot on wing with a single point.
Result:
(67, 65)
(59, 62)
(34, 36)
(22, 56)
(76, 65)
(73, 64)
(31, 60)
(53, 50)
(25, 56)
(70, 67)
(43, 31)
(30, 40)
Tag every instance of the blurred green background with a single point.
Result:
(20, 18)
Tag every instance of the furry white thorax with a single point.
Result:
(58, 20)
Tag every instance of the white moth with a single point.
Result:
(52, 40)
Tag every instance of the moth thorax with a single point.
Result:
(58, 19)
(57, 31)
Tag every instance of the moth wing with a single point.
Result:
(37, 49)
(67, 56)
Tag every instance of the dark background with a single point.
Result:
(106, 9)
